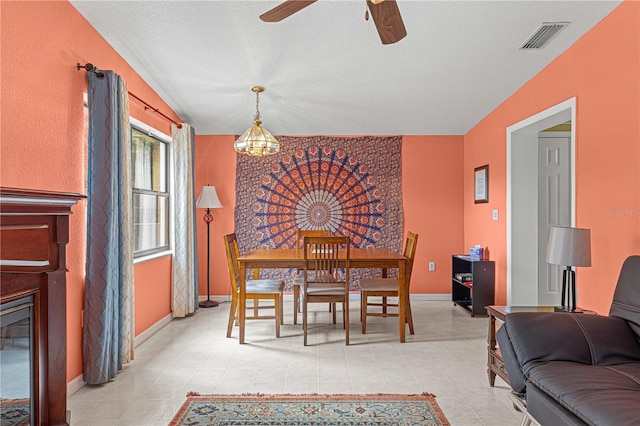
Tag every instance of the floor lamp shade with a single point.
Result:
(569, 247)
(208, 199)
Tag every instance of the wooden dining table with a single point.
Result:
(369, 258)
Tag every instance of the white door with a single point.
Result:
(554, 207)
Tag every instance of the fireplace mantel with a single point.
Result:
(34, 232)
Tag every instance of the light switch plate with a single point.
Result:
(432, 266)
(494, 214)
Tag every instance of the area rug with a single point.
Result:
(15, 412)
(309, 410)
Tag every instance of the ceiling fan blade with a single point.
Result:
(284, 10)
(386, 16)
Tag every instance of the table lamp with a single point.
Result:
(208, 200)
(569, 247)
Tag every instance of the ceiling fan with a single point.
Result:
(385, 14)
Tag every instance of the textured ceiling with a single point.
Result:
(325, 70)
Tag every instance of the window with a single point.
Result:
(150, 183)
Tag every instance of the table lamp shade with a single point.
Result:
(569, 246)
(208, 198)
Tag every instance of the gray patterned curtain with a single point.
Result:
(184, 283)
(107, 341)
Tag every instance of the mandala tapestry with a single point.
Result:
(351, 186)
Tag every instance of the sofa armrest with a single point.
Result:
(581, 338)
(514, 371)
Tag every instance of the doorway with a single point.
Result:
(554, 202)
(526, 283)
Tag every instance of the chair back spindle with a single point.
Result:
(324, 258)
(297, 281)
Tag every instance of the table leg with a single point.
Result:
(296, 303)
(402, 298)
(242, 303)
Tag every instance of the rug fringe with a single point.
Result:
(313, 395)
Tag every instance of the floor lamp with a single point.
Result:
(569, 247)
(208, 200)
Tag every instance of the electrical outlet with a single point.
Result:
(494, 214)
(432, 266)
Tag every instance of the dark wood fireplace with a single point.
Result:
(34, 231)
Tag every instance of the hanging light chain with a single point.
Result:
(257, 117)
(257, 90)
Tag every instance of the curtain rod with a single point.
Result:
(91, 68)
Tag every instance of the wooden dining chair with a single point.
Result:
(324, 258)
(256, 290)
(388, 287)
(298, 279)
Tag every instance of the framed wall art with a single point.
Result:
(481, 184)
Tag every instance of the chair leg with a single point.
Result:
(333, 311)
(384, 305)
(296, 303)
(304, 318)
(281, 308)
(232, 314)
(409, 316)
(363, 311)
(278, 308)
(256, 306)
(345, 308)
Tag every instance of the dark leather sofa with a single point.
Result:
(578, 368)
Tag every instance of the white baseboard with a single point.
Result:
(218, 298)
(432, 297)
(77, 383)
(354, 296)
(425, 297)
(142, 337)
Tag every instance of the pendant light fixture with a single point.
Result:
(257, 140)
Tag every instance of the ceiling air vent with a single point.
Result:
(543, 35)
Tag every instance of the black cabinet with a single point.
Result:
(472, 283)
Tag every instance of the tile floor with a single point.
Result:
(446, 357)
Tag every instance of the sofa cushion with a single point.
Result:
(582, 338)
(599, 395)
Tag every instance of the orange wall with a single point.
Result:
(42, 134)
(152, 292)
(215, 165)
(602, 71)
(432, 197)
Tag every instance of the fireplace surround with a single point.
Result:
(34, 232)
